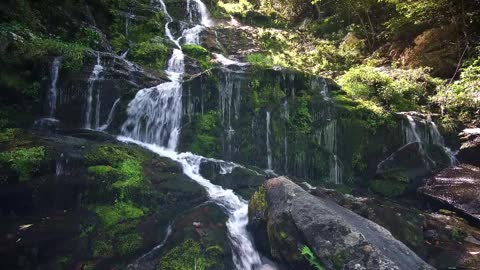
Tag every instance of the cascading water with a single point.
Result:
(110, 116)
(327, 138)
(269, 149)
(97, 69)
(431, 136)
(52, 92)
(154, 123)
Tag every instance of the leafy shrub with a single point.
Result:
(461, 99)
(394, 89)
(237, 8)
(260, 59)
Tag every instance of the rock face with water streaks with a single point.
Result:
(334, 236)
(88, 95)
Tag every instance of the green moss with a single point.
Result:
(389, 188)
(25, 161)
(311, 258)
(205, 140)
(150, 29)
(189, 255)
(119, 239)
(153, 53)
(111, 215)
(131, 174)
(112, 155)
(200, 54)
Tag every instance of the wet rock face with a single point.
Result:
(299, 223)
(406, 167)
(458, 188)
(69, 211)
(241, 180)
(118, 79)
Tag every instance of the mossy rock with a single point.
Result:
(191, 255)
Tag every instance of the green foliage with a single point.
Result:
(25, 161)
(396, 90)
(112, 155)
(120, 239)
(258, 203)
(128, 244)
(311, 257)
(73, 53)
(151, 53)
(301, 121)
(236, 8)
(189, 255)
(111, 215)
(198, 53)
(461, 99)
(7, 135)
(89, 37)
(265, 93)
(260, 59)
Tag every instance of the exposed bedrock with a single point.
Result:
(308, 232)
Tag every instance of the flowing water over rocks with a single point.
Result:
(94, 77)
(154, 123)
(52, 93)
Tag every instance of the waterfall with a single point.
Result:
(94, 76)
(199, 10)
(269, 149)
(437, 138)
(154, 118)
(192, 35)
(110, 116)
(431, 136)
(327, 138)
(52, 92)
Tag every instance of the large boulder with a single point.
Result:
(470, 150)
(457, 187)
(442, 238)
(308, 232)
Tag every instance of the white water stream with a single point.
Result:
(94, 76)
(154, 121)
(52, 92)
